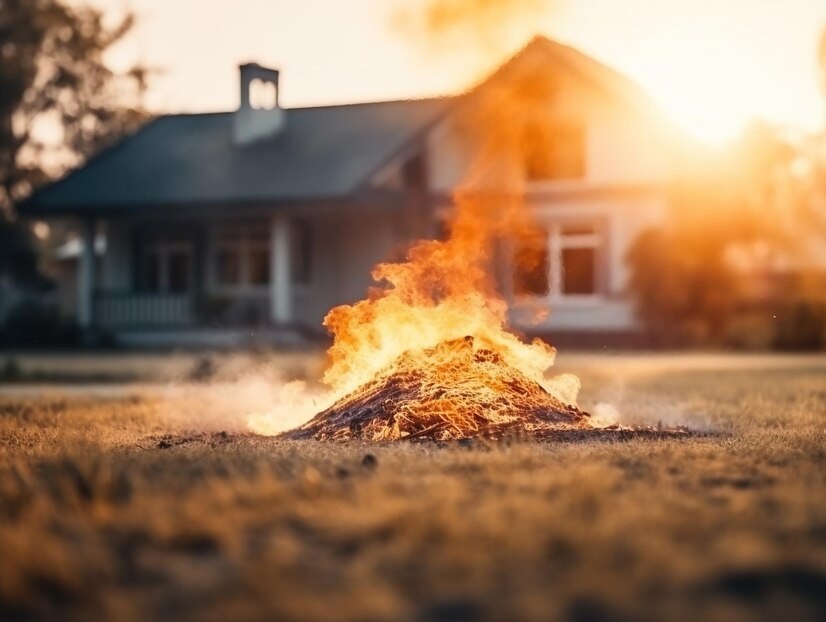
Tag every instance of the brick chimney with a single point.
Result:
(259, 115)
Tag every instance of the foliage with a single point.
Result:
(18, 257)
(36, 322)
(682, 296)
(801, 326)
(59, 101)
(738, 217)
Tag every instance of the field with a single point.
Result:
(148, 501)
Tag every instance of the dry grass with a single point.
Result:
(134, 507)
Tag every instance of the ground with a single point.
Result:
(144, 502)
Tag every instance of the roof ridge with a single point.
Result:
(410, 100)
(437, 98)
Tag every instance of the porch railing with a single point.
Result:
(143, 310)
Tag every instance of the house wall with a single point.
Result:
(623, 149)
(346, 247)
(313, 300)
(116, 268)
(624, 219)
(621, 146)
(627, 166)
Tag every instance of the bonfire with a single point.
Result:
(457, 390)
(429, 353)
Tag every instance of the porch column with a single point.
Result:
(281, 295)
(86, 277)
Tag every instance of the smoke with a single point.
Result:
(613, 403)
(268, 393)
(471, 33)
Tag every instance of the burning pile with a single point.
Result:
(428, 353)
(458, 389)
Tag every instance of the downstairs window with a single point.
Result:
(562, 263)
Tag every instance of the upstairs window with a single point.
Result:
(561, 264)
(554, 151)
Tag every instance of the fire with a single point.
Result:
(429, 352)
(457, 389)
(445, 289)
(400, 344)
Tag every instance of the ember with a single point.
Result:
(459, 389)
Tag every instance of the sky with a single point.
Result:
(713, 65)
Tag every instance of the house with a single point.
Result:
(252, 224)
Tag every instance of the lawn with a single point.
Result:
(153, 502)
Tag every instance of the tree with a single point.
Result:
(59, 101)
(740, 241)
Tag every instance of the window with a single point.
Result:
(578, 271)
(532, 269)
(554, 151)
(263, 94)
(178, 270)
(562, 263)
(242, 255)
(228, 266)
(166, 263)
(302, 252)
(259, 266)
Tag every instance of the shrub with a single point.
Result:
(37, 322)
(801, 325)
(683, 289)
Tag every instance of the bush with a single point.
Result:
(683, 289)
(801, 325)
(37, 322)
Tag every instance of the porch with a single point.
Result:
(173, 275)
(220, 277)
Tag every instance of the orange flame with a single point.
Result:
(445, 290)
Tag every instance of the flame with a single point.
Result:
(429, 350)
(444, 290)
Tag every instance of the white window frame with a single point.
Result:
(243, 245)
(557, 242)
(163, 249)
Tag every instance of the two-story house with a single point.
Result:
(252, 224)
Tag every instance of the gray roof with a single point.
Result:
(321, 153)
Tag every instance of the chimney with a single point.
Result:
(259, 115)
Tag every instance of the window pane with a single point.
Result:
(228, 266)
(259, 233)
(302, 252)
(178, 271)
(259, 266)
(152, 273)
(578, 271)
(229, 234)
(531, 264)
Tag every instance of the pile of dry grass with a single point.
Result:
(456, 390)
